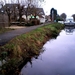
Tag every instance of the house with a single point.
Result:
(13, 10)
(32, 12)
(47, 17)
(14, 13)
(41, 15)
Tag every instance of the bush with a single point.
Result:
(35, 21)
(28, 24)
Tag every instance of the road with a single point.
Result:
(6, 37)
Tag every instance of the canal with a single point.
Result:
(58, 57)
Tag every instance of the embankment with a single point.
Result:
(27, 45)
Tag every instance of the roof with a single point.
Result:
(2, 11)
(38, 11)
(11, 5)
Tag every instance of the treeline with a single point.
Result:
(54, 16)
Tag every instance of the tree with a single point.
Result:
(1, 15)
(7, 9)
(58, 18)
(22, 4)
(1, 4)
(63, 16)
(73, 16)
(28, 4)
(32, 5)
(9, 14)
(53, 14)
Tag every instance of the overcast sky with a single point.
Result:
(62, 6)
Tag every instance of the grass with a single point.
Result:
(29, 44)
(3, 30)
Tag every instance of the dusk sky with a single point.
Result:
(62, 6)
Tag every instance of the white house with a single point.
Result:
(42, 19)
(40, 15)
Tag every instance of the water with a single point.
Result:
(57, 59)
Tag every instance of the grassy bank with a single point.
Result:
(27, 45)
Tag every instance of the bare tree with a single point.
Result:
(2, 15)
(22, 4)
(1, 4)
(5, 1)
(7, 9)
(9, 12)
(28, 4)
(12, 1)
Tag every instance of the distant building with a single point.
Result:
(26, 13)
(47, 17)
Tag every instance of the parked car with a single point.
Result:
(69, 22)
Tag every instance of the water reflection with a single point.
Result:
(69, 30)
(57, 59)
